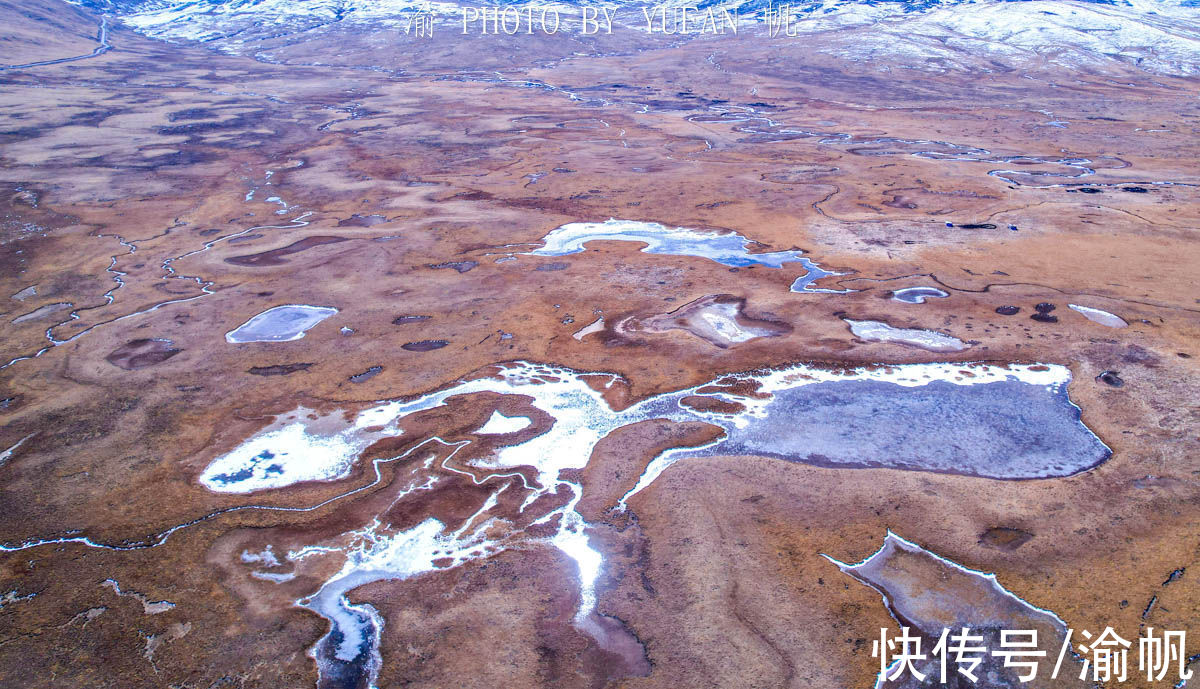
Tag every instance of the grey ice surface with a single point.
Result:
(1003, 430)
(280, 324)
(918, 295)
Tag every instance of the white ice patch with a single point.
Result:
(1102, 317)
(297, 447)
(582, 417)
(574, 543)
(499, 424)
(595, 327)
(275, 577)
(7, 454)
(722, 318)
(266, 557)
(375, 553)
(918, 295)
(280, 324)
(878, 331)
(726, 248)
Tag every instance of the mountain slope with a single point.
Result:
(1155, 36)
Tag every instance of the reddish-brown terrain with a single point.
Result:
(159, 195)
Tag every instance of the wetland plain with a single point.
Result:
(337, 356)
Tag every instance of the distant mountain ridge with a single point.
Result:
(1154, 36)
(346, 8)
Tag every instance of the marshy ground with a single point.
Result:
(200, 249)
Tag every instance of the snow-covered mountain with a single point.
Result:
(1156, 36)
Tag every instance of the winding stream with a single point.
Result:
(955, 418)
